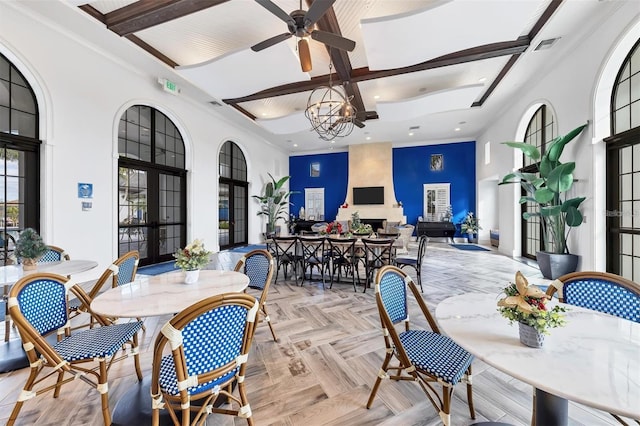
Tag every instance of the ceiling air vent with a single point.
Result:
(546, 44)
(414, 127)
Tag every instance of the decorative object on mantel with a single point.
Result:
(191, 259)
(470, 227)
(29, 248)
(545, 185)
(526, 304)
(330, 111)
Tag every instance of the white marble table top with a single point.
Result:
(165, 293)
(593, 360)
(9, 274)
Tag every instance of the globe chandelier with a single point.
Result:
(330, 112)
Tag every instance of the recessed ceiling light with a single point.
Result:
(295, 144)
(333, 141)
(264, 114)
(410, 133)
(376, 97)
(457, 129)
(482, 80)
(368, 138)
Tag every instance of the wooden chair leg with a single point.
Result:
(376, 385)
(27, 388)
(266, 317)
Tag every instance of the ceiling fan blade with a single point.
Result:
(270, 42)
(333, 40)
(273, 8)
(358, 123)
(317, 9)
(305, 55)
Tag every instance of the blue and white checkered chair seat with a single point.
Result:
(436, 354)
(96, 342)
(603, 296)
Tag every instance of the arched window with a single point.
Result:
(232, 197)
(623, 171)
(151, 185)
(19, 157)
(540, 131)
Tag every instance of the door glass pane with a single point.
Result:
(132, 210)
(223, 214)
(11, 201)
(239, 214)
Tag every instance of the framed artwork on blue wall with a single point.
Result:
(314, 170)
(437, 162)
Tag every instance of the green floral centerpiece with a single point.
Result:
(359, 228)
(194, 256)
(527, 305)
(29, 248)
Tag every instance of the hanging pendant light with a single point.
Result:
(330, 112)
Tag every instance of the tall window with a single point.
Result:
(540, 131)
(19, 158)
(151, 185)
(232, 197)
(623, 172)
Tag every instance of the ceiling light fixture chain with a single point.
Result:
(329, 110)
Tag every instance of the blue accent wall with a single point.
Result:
(334, 175)
(411, 170)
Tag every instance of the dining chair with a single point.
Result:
(38, 305)
(414, 262)
(343, 259)
(54, 254)
(123, 270)
(599, 291)
(378, 252)
(209, 343)
(258, 265)
(314, 255)
(286, 252)
(424, 356)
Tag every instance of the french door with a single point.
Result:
(151, 213)
(232, 213)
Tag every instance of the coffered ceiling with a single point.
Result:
(422, 71)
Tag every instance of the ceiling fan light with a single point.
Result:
(305, 55)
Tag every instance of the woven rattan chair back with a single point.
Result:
(599, 291)
(258, 265)
(38, 306)
(209, 343)
(424, 356)
(54, 254)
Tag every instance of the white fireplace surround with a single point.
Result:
(372, 165)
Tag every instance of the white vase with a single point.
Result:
(192, 276)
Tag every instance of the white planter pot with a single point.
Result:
(191, 277)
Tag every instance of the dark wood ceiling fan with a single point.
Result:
(300, 23)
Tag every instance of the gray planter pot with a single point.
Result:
(529, 336)
(553, 265)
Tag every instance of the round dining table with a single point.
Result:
(164, 294)
(12, 356)
(593, 360)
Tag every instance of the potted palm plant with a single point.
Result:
(547, 188)
(470, 227)
(274, 203)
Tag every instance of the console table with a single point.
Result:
(304, 225)
(436, 229)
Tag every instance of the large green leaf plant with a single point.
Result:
(548, 190)
(274, 202)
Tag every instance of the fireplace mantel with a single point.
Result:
(392, 214)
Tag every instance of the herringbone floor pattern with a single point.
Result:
(329, 351)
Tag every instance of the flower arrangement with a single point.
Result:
(30, 245)
(357, 227)
(334, 227)
(470, 224)
(193, 256)
(527, 304)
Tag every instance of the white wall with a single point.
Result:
(568, 85)
(82, 92)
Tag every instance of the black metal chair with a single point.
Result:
(286, 251)
(378, 252)
(343, 258)
(414, 262)
(314, 256)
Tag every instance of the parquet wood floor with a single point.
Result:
(329, 351)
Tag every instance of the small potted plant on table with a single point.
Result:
(191, 259)
(29, 248)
